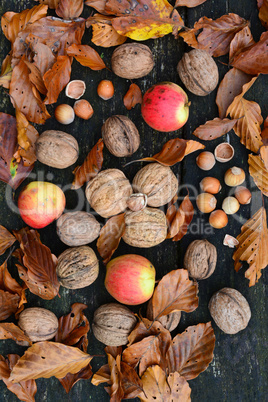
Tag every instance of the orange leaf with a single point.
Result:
(27, 136)
(110, 236)
(258, 169)
(99, 5)
(103, 33)
(213, 129)
(263, 13)
(43, 57)
(50, 3)
(6, 72)
(90, 167)
(70, 9)
(252, 247)
(133, 96)
(179, 219)
(11, 331)
(8, 304)
(242, 40)
(191, 352)
(189, 3)
(57, 78)
(264, 155)
(36, 77)
(6, 239)
(87, 56)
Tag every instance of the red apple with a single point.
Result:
(130, 279)
(40, 203)
(165, 107)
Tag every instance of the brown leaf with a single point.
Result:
(213, 129)
(6, 72)
(48, 359)
(264, 155)
(132, 97)
(57, 78)
(189, 3)
(27, 137)
(87, 56)
(70, 9)
(229, 88)
(5, 21)
(249, 118)
(259, 170)
(179, 219)
(43, 56)
(90, 167)
(264, 133)
(8, 304)
(11, 331)
(143, 329)
(110, 236)
(24, 390)
(39, 273)
(99, 5)
(242, 40)
(103, 33)
(36, 77)
(253, 60)
(158, 387)
(50, 3)
(175, 292)
(131, 383)
(6, 239)
(71, 379)
(252, 247)
(191, 352)
(263, 13)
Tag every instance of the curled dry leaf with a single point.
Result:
(258, 170)
(242, 40)
(87, 56)
(110, 236)
(50, 3)
(70, 9)
(11, 331)
(6, 72)
(191, 352)
(57, 78)
(103, 33)
(213, 129)
(189, 3)
(179, 219)
(90, 167)
(252, 247)
(132, 97)
(6, 239)
(263, 13)
(143, 329)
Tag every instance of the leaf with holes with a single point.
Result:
(11, 331)
(258, 169)
(132, 97)
(179, 219)
(87, 56)
(57, 78)
(70, 9)
(213, 129)
(110, 236)
(103, 33)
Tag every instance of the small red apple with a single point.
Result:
(130, 279)
(40, 203)
(165, 107)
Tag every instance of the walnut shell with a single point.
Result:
(200, 259)
(120, 135)
(230, 310)
(108, 192)
(145, 228)
(39, 324)
(170, 321)
(77, 267)
(57, 149)
(77, 228)
(158, 182)
(132, 60)
(112, 323)
(199, 72)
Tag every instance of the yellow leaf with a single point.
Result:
(259, 172)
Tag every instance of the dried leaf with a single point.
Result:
(5, 21)
(6, 239)
(264, 133)
(11, 331)
(71, 379)
(143, 329)
(110, 236)
(99, 5)
(252, 248)
(132, 97)
(87, 56)
(229, 88)
(263, 13)
(179, 219)
(131, 383)
(191, 352)
(90, 167)
(8, 304)
(264, 155)
(50, 3)
(189, 3)
(103, 33)
(43, 56)
(48, 359)
(242, 40)
(213, 129)
(249, 118)
(175, 292)
(259, 171)
(6, 72)
(27, 137)
(57, 78)
(24, 390)
(70, 9)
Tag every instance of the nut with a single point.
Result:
(75, 89)
(108, 192)
(105, 89)
(112, 323)
(83, 109)
(145, 228)
(77, 228)
(234, 176)
(230, 310)
(210, 185)
(39, 324)
(230, 205)
(77, 267)
(205, 160)
(137, 202)
(64, 114)
(243, 195)
(170, 321)
(224, 152)
(120, 136)
(199, 72)
(132, 60)
(206, 202)
(200, 259)
(57, 149)
(158, 182)
(218, 219)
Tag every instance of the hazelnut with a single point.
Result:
(218, 219)
(105, 89)
(210, 185)
(230, 205)
(39, 324)
(205, 160)
(234, 176)
(200, 259)
(206, 202)
(83, 109)
(64, 114)
(75, 89)
(243, 195)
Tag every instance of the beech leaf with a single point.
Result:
(264, 155)
(27, 137)
(179, 219)
(99, 5)
(57, 78)
(242, 40)
(110, 236)
(43, 57)
(87, 56)
(263, 13)
(70, 9)
(252, 247)
(103, 33)
(6, 239)
(213, 129)
(11, 331)
(259, 170)
(6, 72)
(9, 304)
(189, 3)
(132, 97)
(71, 379)
(51, 3)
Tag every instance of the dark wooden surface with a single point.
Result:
(239, 369)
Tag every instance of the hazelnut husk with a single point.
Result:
(158, 182)
(108, 192)
(112, 324)
(230, 310)
(170, 321)
(200, 259)
(77, 267)
(39, 324)
(145, 228)
(77, 228)
(120, 136)
(199, 72)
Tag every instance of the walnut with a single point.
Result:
(132, 60)
(77, 228)
(199, 72)
(170, 321)
(145, 228)
(39, 324)
(77, 267)
(230, 310)
(120, 135)
(200, 259)
(112, 323)
(108, 192)
(57, 149)
(158, 182)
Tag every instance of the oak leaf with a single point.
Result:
(242, 40)
(263, 13)
(51, 3)
(11, 331)
(213, 129)
(189, 3)
(252, 247)
(110, 236)
(132, 97)
(6, 72)
(70, 9)
(258, 169)
(87, 56)
(90, 167)
(191, 352)
(57, 78)
(179, 219)
(103, 33)
(6, 239)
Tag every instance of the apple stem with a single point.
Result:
(187, 104)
